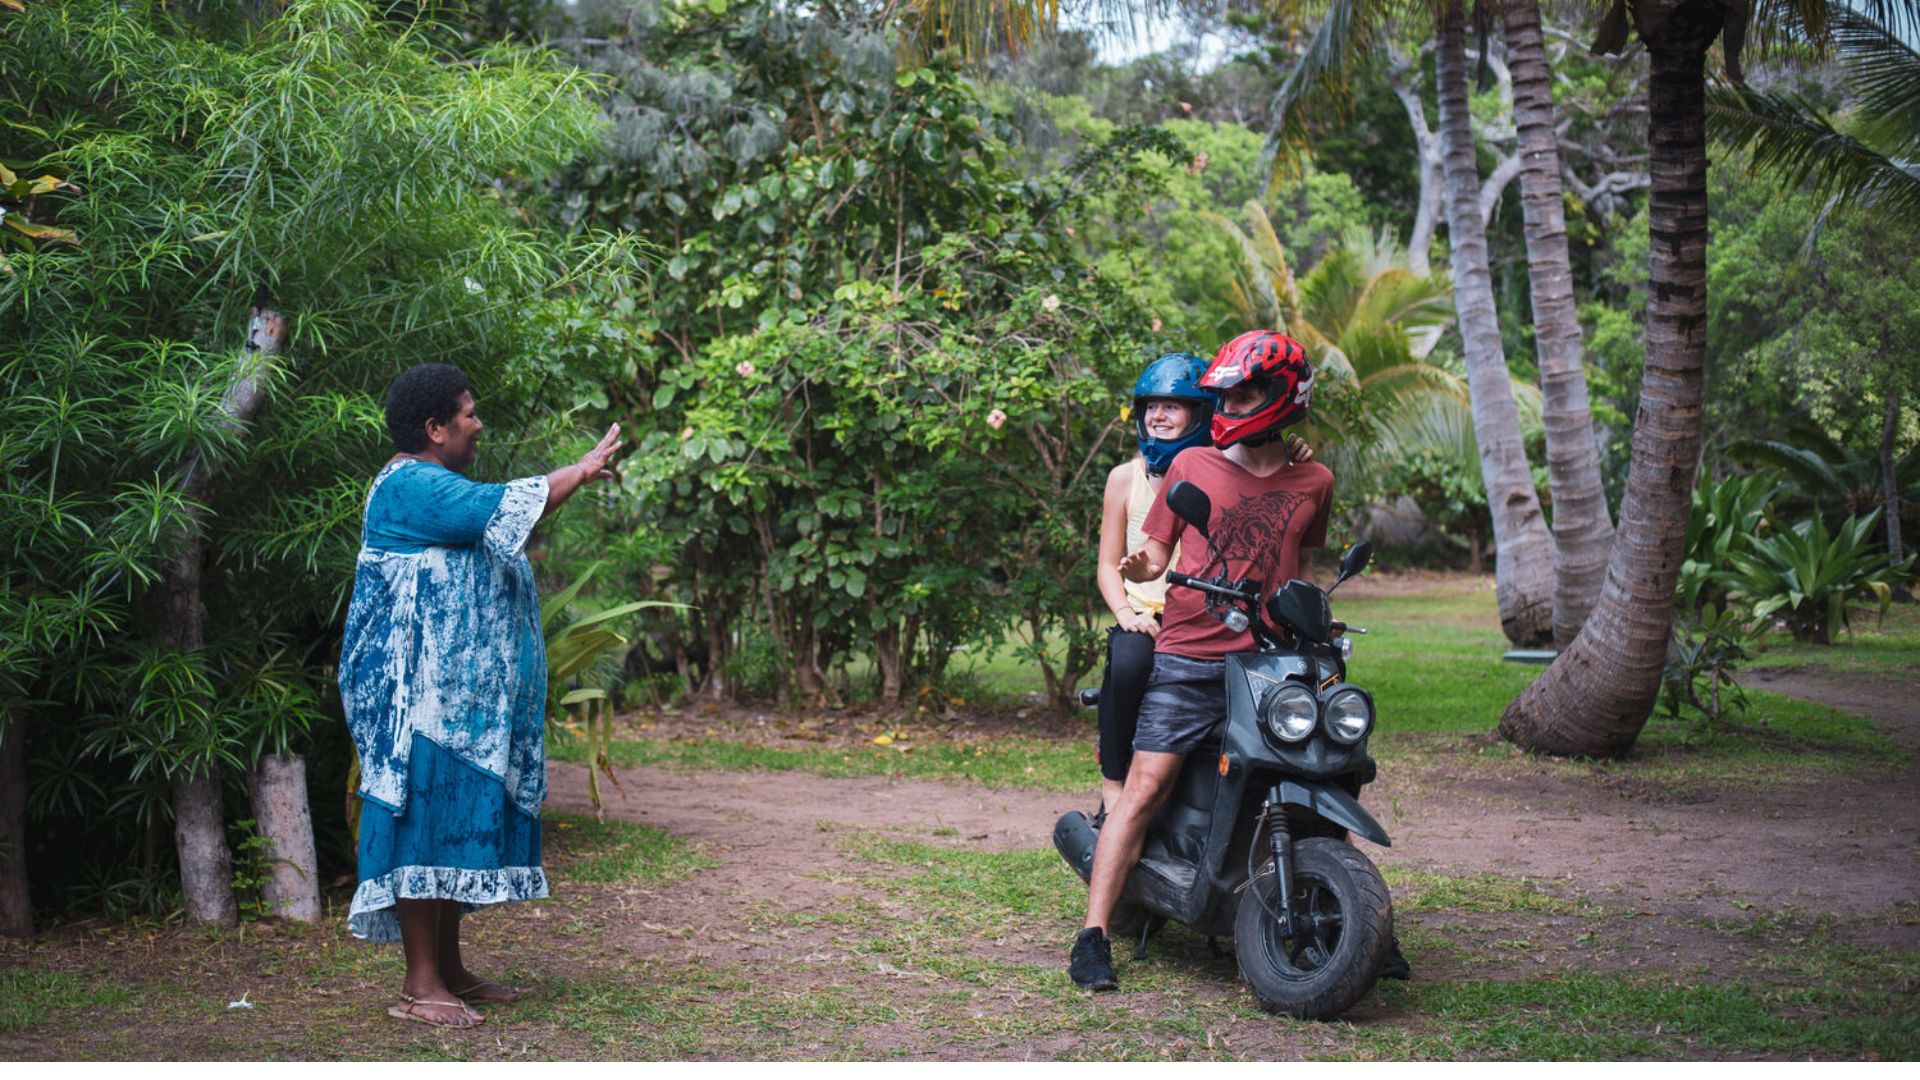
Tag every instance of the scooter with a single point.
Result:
(1253, 840)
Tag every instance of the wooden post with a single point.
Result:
(16, 908)
(278, 785)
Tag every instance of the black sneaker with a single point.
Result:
(1396, 966)
(1091, 964)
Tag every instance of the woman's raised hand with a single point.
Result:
(597, 458)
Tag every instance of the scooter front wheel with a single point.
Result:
(1343, 927)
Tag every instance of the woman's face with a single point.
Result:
(1167, 419)
(457, 444)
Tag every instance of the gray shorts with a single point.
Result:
(1186, 700)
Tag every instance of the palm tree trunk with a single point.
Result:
(1523, 550)
(1596, 697)
(1582, 527)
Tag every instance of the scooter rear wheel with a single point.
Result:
(1343, 919)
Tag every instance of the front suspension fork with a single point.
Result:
(1280, 905)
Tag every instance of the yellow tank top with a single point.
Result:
(1148, 597)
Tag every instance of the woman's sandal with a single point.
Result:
(410, 1011)
(503, 994)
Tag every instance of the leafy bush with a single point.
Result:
(1806, 575)
(328, 157)
(1712, 633)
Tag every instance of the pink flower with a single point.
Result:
(1070, 231)
(1051, 303)
(1199, 161)
(743, 369)
(1156, 324)
(995, 419)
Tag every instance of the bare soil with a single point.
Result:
(1653, 880)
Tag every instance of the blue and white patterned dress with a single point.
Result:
(443, 674)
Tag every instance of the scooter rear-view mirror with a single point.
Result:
(1191, 504)
(1354, 561)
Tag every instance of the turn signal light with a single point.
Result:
(1223, 764)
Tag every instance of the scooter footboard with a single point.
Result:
(1334, 805)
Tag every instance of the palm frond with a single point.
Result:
(1884, 70)
(1340, 44)
(1786, 136)
(1332, 289)
(1253, 285)
(1273, 253)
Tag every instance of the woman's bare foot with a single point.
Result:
(476, 990)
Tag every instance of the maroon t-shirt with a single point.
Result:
(1259, 525)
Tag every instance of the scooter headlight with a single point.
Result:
(1290, 713)
(1349, 714)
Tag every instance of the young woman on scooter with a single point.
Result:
(1171, 413)
(1266, 507)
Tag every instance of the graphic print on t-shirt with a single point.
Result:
(1251, 535)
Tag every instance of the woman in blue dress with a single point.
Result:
(443, 675)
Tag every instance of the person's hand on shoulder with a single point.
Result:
(1298, 451)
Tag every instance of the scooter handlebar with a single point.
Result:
(1175, 577)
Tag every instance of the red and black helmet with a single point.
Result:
(1260, 356)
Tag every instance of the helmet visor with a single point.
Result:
(1261, 390)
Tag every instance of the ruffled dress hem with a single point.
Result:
(374, 918)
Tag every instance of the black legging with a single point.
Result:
(1129, 665)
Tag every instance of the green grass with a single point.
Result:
(1424, 890)
(585, 850)
(1891, 647)
(1043, 764)
(993, 891)
(1432, 661)
(30, 998)
(1585, 1015)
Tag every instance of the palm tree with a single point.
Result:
(1349, 33)
(1523, 567)
(1582, 526)
(1597, 696)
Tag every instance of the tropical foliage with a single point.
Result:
(322, 160)
(1807, 575)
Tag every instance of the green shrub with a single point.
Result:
(1712, 632)
(1806, 575)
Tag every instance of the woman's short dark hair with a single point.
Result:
(421, 393)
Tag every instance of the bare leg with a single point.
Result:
(1149, 782)
(420, 934)
(469, 986)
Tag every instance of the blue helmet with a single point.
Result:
(1175, 376)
